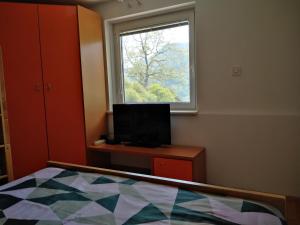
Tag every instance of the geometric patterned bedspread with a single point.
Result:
(55, 196)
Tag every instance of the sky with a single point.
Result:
(178, 34)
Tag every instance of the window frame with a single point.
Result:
(166, 16)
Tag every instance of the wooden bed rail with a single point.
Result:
(278, 201)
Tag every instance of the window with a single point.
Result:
(154, 60)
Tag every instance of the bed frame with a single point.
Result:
(289, 206)
(278, 201)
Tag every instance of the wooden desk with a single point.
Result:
(179, 162)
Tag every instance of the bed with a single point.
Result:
(77, 195)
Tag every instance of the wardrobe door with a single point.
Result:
(93, 74)
(63, 85)
(19, 38)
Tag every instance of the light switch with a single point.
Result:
(236, 70)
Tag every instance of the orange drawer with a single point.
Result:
(173, 168)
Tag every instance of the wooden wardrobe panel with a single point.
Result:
(63, 86)
(4, 120)
(93, 74)
(19, 38)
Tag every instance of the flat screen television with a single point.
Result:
(145, 125)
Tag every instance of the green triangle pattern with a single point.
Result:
(52, 184)
(183, 214)
(64, 209)
(7, 200)
(49, 200)
(109, 202)
(128, 182)
(251, 207)
(186, 196)
(108, 219)
(45, 192)
(20, 222)
(66, 173)
(26, 184)
(94, 196)
(103, 180)
(40, 181)
(234, 203)
(66, 180)
(131, 191)
(148, 214)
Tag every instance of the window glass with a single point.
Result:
(155, 64)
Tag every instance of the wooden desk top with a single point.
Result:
(171, 151)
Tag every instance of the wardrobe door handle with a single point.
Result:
(49, 87)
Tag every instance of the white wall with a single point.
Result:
(250, 125)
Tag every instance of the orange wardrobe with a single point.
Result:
(54, 81)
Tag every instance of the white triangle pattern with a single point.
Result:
(47, 173)
(127, 207)
(201, 205)
(20, 193)
(92, 209)
(37, 211)
(162, 197)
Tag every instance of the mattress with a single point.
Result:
(55, 196)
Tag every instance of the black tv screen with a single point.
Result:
(142, 124)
